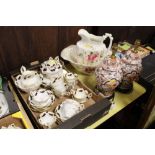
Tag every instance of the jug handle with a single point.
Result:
(108, 35)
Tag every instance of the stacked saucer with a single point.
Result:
(41, 100)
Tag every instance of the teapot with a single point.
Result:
(28, 80)
(52, 68)
(89, 52)
(81, 95)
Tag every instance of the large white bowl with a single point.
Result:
(69, 53)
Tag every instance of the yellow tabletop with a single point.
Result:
(121, 100)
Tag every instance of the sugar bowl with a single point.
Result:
(81, 95)
(28, 80)
(47, 119)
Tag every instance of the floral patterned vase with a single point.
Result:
(108, 76)
(131, 68)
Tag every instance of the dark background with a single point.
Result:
(21, 45)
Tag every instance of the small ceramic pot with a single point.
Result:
(28, 80)
(108, 76)
(41, 100)
(71, 80)
(47, 119)
(68, 109)
(131, 67)
(81, 95)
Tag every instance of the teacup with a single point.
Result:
(81, 95)
(68, 109)
(59, 87)
(47, 119)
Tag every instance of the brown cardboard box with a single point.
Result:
(8, 120)
(95, 107)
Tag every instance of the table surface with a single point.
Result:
(121, 100)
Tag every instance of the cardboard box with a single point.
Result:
(96, 107)
(16, 119)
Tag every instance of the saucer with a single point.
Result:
(41, 100)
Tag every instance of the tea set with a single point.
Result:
(52, 83)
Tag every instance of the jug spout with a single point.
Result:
(83, 34)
